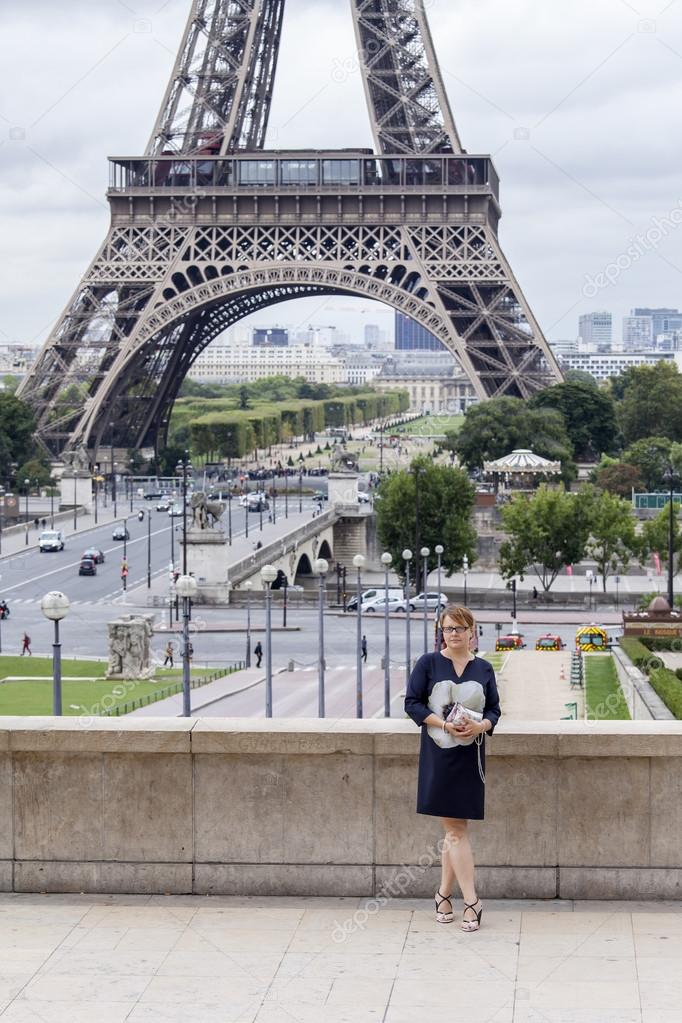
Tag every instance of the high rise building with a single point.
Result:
(596, 330)
(411, 336)
(270, 337)
(662, 320)
(638, 332)
(372, 334)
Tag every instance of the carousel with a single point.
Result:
(521, 470)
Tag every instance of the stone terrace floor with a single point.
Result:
(106, 959)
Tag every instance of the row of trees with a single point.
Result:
(219, 428)
(634, 424)
(546, 532)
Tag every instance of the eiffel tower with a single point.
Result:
(208, 227)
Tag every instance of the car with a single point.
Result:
(164, 504)
(260, 505)
(549, 642)
(432, 601)
(95, 553)
(363, 497)
(175, 510)
(51, 540)
(153, 495)
(511, 642)
(88, 566)
(320, 495)
(120, 533)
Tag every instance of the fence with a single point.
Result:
(176, 687)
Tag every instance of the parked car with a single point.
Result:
(88, 566)
(432, 601)
(51, 540)
(120, 533)
(549, 642)
(153, 495)
(511, 642)
(95, 553)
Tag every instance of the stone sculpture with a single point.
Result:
(130, 647)
(206, 514)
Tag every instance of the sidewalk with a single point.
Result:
(223, 959)
(15, 542)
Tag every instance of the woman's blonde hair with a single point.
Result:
(458, 613)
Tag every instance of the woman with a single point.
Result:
(452, 756)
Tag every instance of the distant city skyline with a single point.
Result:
(592, 210)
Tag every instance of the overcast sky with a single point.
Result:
(580, 105)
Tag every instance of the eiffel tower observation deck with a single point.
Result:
(208, 226)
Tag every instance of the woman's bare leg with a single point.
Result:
(458, 849)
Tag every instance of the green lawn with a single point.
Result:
(604, 698)
(79, 697)
(429, 426)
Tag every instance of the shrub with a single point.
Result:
(669, 688)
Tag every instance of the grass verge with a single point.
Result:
(604, 698)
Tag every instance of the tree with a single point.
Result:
(589, 415)
(496, 427)
(244, 402)
(546, 532)
(651, 457)
(17, 426)
(580, 376)
(446, 501)
(652, 403)
(37, 471)
(612, 539)
(655, 537)
(619, 478)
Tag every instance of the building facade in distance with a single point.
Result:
(410, 336)
(224, 364)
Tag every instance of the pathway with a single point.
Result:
(531, 686)
(173, 959)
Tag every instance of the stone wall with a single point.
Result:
(303, 807)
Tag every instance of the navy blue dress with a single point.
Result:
(450, 784)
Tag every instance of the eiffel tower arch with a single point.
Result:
(208, 226)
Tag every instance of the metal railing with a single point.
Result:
(171, 690)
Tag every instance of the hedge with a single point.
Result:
(669, 688)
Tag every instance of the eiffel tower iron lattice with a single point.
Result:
(208, 227)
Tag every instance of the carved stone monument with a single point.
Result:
(130, 647)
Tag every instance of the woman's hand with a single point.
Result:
(469, 729)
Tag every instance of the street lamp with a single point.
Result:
(149, 548)
(268, 575)
(590, 578)
(300, 491)
(27, 484)
(55, 606)
(425, 571)
(465, 571)
(439, 549)
(670, 477)
(184, 468)
(248, 586)
(358, 562)
(186, 587)
(113, 469)
(131, 464)
(386, 560)
(321, 569)
(407, 557)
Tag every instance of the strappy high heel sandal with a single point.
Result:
(443, 918)
(472, 925)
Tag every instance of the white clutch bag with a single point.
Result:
(470, 695)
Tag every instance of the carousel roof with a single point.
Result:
(522, 460)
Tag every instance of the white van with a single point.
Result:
(51, 540)
(367, 596)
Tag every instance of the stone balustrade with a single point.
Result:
(304, 807)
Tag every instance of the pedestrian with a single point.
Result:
(169, 654)
(43, 523)
(258, 651)
(452, 754)
(363, 648)
(535, 593)
(36, 523)
(26, 645)
(190, 652)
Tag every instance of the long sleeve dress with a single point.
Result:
(450, 782)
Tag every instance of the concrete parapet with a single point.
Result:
(307, 807)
